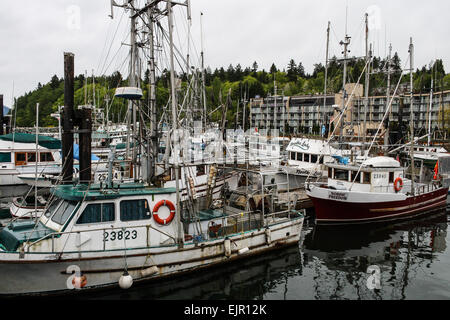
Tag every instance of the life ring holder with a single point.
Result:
(398, 184)
(171, 207)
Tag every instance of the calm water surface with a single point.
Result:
(329, 263)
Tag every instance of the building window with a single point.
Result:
(131, 210)
(96, 213)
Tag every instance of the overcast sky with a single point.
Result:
(34, 34)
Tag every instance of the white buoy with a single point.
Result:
(125, 281)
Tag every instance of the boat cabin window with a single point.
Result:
(306, 157)
(5, 156)
(313, 158)
(340, 174)
(366, 177)
(131, 210)
(357, 175)
(391, 177)
(96, 213)
(46, 157)
(330, 173)
(31, 157)
(292, 155)
(64, 211)
(299, 156)
(21, 158)
(201, 170)
(51, 209)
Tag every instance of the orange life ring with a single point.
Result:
(171, 207)
(398, 184)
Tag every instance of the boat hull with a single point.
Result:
(47, 274)
(372, 208)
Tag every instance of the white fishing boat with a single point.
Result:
(107, 235)
(115, 234)
(18, 157)
(28, 207)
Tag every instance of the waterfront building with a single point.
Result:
(307, 114)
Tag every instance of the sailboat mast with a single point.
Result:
(411, 120)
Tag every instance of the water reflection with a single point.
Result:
(248, 279)
(330, 263)
(411, 257)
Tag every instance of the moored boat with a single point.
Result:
(102, 233)
(375, 191)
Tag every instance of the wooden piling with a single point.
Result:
(68, 119)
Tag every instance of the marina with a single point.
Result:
(167, 181)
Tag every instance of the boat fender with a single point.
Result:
(243, 250)
(398, 184)
(227, 247)
(125, 281)
(171, 207)
(149, 271)
(268, 236)
(79, 280)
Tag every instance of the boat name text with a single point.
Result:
(337, 195)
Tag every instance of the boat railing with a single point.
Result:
(246, 221)
(236, 223)
(421, 189)
(55, 235)
(425, 188)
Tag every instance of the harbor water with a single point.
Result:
(396, 261)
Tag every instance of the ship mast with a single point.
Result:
(326, 77)
(366, 85)
(388, 97)
(153, 154)
(411, 120)
(345, 43)
(429, 111)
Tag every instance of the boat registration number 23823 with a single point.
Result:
(119, 235)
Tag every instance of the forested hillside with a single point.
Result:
(242, 82)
